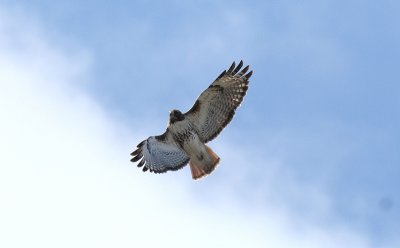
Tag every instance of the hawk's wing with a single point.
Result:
(215, 107)
(160, 154)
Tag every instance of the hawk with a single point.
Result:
(186, 136)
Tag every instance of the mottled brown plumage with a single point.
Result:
(186, 134)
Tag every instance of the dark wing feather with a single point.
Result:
(159, 154)
(215, 107)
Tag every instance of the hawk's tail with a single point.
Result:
(199, 170)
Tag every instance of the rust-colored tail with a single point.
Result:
(200, 170)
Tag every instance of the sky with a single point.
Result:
(311, 159)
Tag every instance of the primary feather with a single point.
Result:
(215, 107)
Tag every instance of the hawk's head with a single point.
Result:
(175, 115)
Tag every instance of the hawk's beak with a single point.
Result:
(172, 117)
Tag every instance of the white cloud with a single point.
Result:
(66, 179)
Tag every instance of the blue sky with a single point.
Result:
(310, 160)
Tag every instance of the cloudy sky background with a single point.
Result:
(311, 159)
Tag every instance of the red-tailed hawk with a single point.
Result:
(187, 134)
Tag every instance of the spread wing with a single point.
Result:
(215, 107)
(159, 154)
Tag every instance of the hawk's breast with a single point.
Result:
(184, 135)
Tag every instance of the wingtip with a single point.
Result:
(136, 158)
(238, 67)
(248, 75)
(243, 71)
(135, 152)
(141, 144)
(141, 163)
(231, 68)
(221, 75)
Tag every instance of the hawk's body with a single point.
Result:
(186, 135)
